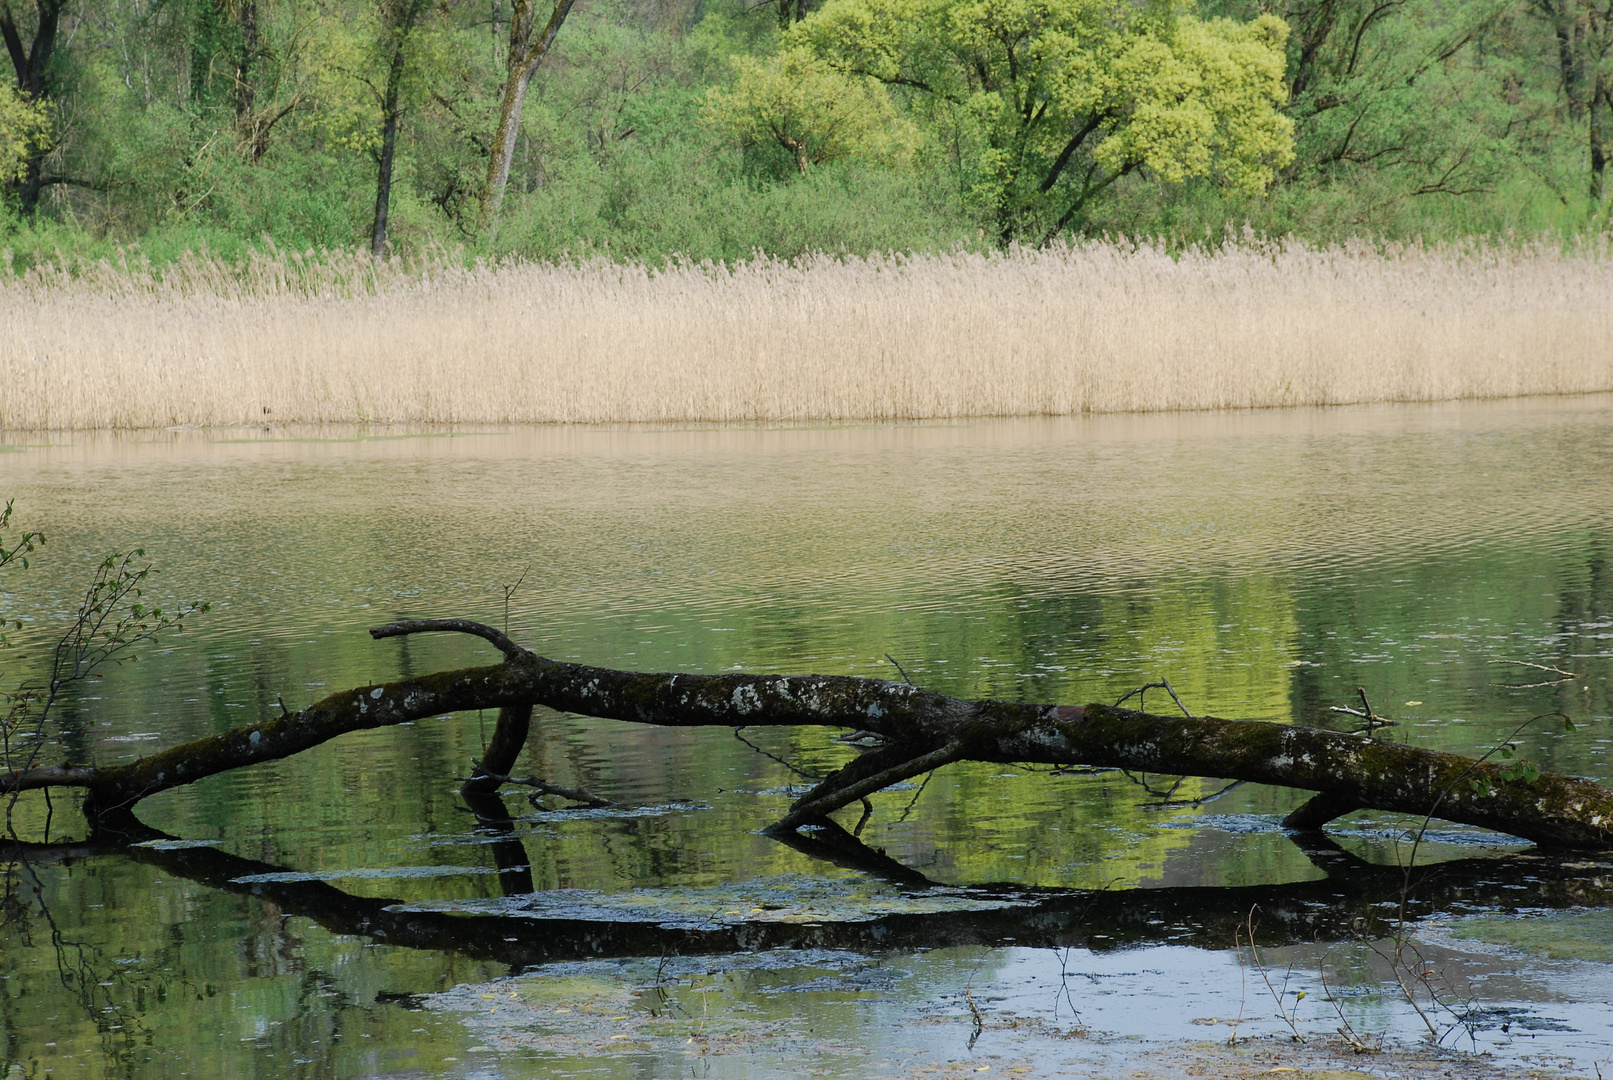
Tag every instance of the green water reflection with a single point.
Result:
(1265, 564)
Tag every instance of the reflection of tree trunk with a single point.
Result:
(918, 730)
(835, 845)
(1341, 907)
(509, 854)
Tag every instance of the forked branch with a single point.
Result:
(918, 729)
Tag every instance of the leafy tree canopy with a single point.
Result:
(812, 111)
(1041, 105)
(24, 127)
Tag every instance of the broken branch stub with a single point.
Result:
(920, 730)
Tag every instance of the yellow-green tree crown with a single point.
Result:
(24, 125)
(1043, 104)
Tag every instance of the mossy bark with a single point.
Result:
(915, 726)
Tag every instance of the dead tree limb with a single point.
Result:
(509, 736)
(847, 792)
(917, 727)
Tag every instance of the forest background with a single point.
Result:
(714, 129)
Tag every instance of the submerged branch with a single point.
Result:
(920, 730)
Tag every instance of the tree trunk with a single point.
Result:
(509, 127)
(389, 143)
(498, 760)
(29, 62)
(1598, 108)
(918, 730)
(1569, 29)
(400, 19)
(526, 54)
(244, 93)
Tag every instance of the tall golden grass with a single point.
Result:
(1091, 327)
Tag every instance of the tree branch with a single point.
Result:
(510, 649)
(921, 730)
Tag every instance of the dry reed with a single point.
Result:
(1093, 327)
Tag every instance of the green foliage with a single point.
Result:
(1518, 770)
(111, 620)
(21, 547)
(1041, 105)
(24, 127)
(648, 207)
(662, 128)
(796, 101)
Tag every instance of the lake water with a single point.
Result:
(341, 913)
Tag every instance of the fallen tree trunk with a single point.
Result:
(917, 730)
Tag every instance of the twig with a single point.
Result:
(543, 788)
(915, 799)
(1346, 1030)
(839, 797)
(1164, 796)
(1282, 1013)
(968, 996)
(868, 812)
(509, 591)
(1400, 936)
(1163, 684)
(1366, 708)
(1200, 801)
(1365, 712)
(1541, 667)
(1243, 980)
(510, 649)
(974, 1010)
(893, 660)
(774, 757)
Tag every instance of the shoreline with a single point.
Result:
(362, 431)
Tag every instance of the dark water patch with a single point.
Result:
(605, 813)
(391, 873)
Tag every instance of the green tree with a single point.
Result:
(399, 21)
(1583, 30)
(529, 44)
(815, 113)
(31, 44)
(1041, 105)
(1403, 99)
(24, 132)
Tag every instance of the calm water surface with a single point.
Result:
(343, 914)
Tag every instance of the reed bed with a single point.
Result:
(1104, 326)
